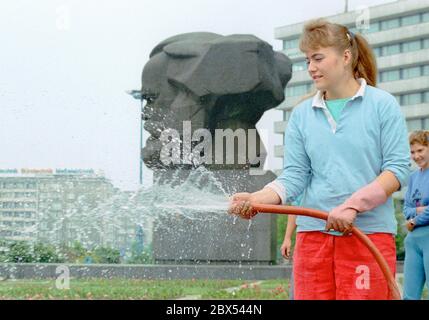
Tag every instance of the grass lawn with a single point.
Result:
(119, 289)
(126, 289)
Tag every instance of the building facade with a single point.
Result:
(399, 34)
(40, 204)
(18, 206)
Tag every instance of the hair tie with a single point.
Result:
(350, 35)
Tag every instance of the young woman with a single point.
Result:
(416, 211)
(346, 153)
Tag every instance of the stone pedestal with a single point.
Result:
(218, 238)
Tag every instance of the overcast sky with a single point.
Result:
(65, 67)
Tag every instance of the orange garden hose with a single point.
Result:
(300, 211)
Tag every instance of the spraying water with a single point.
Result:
(182, 221)
(113, 223)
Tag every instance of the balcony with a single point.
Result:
(416, 111)
(406, 86)
(410, 32)
(411, 58)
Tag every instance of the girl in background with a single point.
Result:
(416, 211)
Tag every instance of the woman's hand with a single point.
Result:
(341, 219)
(240, 205)
(286, 248)
(419, 210)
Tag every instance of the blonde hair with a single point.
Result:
(320, 33)
(420, 137)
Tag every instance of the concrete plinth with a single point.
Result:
(217, 238)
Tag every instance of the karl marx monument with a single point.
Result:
(204, 84)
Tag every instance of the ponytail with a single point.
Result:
(364, 63)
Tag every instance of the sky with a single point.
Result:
(65, 67)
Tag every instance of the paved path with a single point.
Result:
(229, 290)
(399, 281)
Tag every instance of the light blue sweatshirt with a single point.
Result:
(327, 161)
(417, 196)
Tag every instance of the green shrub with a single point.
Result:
(26, 252)
(143, 257)
(19, 252)
(281, 228)
(402, 230)
(106, 255)
(75, 253)
(45, 253)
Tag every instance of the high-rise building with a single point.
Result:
(399, 34)
(18, 205)
(40, 204)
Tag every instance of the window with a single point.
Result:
(373, 27)
(286, 115)
(411, 46)
(6, 195)
(425, 44)
(409, 20)
(391, 75)
(299, 66)
(56, 206)
(9, 205)
(353, 29)
(377, 51)
(391, 49)
(425, 17)
(425, 70)
(291, 43)
(297, 90)
(412, 98)
(426, 96)
(414, 124)
(412, 72)
(390, 24)
(425, 123)
(398, 98)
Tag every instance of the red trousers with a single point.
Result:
(327, 267)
